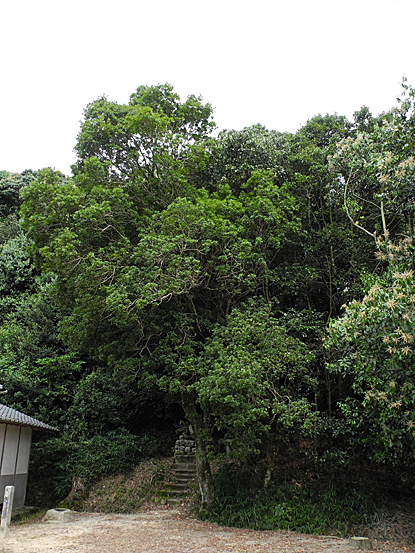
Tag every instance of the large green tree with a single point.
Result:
(372, 342)
(254, 379)
(146, 258)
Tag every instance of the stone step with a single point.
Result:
(184, 473)
(174, 500)
(177, 486)
(21, 513)
(184, 464)
(166, 500)
(167, 494)
(184, 467)
(181, 482)
(184, 470)
(176, 493)
(185, 458)
(184, 479)
(191, 471)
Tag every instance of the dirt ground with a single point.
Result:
(165, 530)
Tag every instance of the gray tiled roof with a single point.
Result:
(8, 415)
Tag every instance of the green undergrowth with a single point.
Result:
(126, 493)
(379, 504)
(56, 461)
(320, 506)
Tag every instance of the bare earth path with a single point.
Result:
(163, 530)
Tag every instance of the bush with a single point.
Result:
(55, 462)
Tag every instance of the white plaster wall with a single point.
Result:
(15, 444)
(24, 450)
(10, 449)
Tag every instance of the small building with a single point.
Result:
(15, 441)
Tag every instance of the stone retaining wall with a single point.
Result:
(185, 445)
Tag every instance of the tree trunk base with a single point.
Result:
(77, 491)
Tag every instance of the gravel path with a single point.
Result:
(164, 530)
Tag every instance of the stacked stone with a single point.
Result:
(185, 445)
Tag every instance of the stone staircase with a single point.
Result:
(183, 473)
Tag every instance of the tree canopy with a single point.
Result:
(176, 267)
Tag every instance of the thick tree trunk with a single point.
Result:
(77, 491)
(204, 476)
(271, 452)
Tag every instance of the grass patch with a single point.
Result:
(302, 505)
(126, 493)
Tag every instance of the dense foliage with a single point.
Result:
(176, 275)
(322, 506)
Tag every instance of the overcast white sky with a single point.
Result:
(272, 62)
